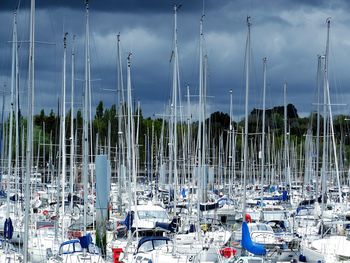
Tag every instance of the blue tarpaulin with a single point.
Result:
(170, 227)
(183, 192)
(249, 245)
(152, 239)
(8, 228)
(129, 220)
(85, 241)
(3, 194)
(284, 196)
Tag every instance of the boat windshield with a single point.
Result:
(158, 243)
(154, 244)
(70, 247)
(160, 215)
(260, 227)
(145, 247)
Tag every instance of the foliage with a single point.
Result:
(217, 125)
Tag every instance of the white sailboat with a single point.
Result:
(82, 249)
(330, 243)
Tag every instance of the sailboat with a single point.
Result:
(258, 239)
(9, 215)
(331, 242)
(82, 249)
(45, 239)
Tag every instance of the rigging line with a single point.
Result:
(203, 10)
(254, 85)
(337, 95)
(18, 5)
(98, 64)
(316, 96)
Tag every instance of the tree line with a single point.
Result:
(217, 124)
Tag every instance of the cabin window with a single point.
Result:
(145, 247)
(78, 247)
(152, 215)
(68, 248)
(158, 243)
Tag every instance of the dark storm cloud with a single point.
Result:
(289, 33)
(134, 6)
(130, 6)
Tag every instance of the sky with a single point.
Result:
(289, 33)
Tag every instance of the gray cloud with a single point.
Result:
(289, 33)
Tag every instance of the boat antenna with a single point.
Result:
(203, 10)
(248, 21)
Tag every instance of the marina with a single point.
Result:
(93, 182)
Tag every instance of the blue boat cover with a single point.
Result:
(8, 228)
(129, 220)
(183, 192)
(168, 226)
(15, 198)
(284, 195)
(273, 188)
(192, 228)
(85, 241)
(224, 201)
(307, 202)
(249, 245)
(165, 226)
(151, 238)
(208, 206)
(3, 194)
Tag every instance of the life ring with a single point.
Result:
(45, 212)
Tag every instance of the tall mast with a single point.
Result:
(174, 107)
(324, 145)
(17, 127)
(2, 134)
(319, 65)
(200, 146)
(129, 136)
(63, 127)
(120, 74)
(230, 151)
(286, 146)
(120, 91)
(205, 141)
(245, 154)
(30, 105)
(326, 85)
(86, 116)
(189, 142)
(13, 83)
(71, 165)
(263, 131)
(131, 143)
(285, 129)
